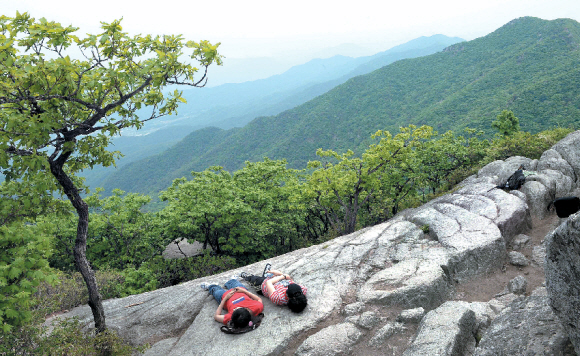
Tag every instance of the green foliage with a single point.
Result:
(66, 338)
(24, 249)
(47, 101)
(506, 124)
(524, 144)
(137, 281)
(120, 235)
(440, 158)
(62, 98)
(69, 291)
(253, 213)
(340, 189)
(174, 271)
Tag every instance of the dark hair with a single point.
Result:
(296, 299)
(241, 317)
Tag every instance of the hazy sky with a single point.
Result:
(294, 31)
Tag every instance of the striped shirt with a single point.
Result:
(279, 296)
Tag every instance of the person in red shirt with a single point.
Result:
(279, 288)
(239, 303)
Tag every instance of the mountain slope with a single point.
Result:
(529, 66)
(234, 105)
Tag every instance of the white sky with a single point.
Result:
(290, 29)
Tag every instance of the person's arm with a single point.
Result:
(247, 292)
(218, 312)
(270, 282)
(278, 273)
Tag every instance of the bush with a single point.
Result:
(175, 271)
(70, 291)
(137, 281)
(66, 338)
(524, 144)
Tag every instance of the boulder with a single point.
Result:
(569, 150)
(475, 242)
(525, 327)
(484, 314)
(539, 256)
(181, 248)
(333, 340)
(447, 330)
(411, 283)
(366, 320)
(500, 171)
(411, 315)
(520, 241)
(353, 308)
(386, 332)
(551, 159)
(518, 259)
(539, 197)
(518, 285)
(558, 184)
(562, 270)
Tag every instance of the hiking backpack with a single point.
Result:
(516, 180)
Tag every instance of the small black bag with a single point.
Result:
(230, 329)
(516, 180)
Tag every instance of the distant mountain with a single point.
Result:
(530, 66)
(234, 105)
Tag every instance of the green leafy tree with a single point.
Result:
(253, 213)
(340, 189)
(206, 209)
(442, 156)
(506, 124)
(272, 191)
(120, 235)
(59, 112)
(524, 144)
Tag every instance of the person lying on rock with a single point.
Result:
(279, 288)
(239, 303)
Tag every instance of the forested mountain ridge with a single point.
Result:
(529, 66)
(234, 105)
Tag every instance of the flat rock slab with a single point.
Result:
(390, 264)
(393, 264)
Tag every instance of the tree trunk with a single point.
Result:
(81, 262)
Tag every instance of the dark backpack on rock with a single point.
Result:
(515, 181)
(230, 329)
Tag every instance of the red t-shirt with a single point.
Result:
(240, 299)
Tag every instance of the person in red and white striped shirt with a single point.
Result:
(280, 289)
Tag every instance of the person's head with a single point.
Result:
(296, 299)
(241, 317)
